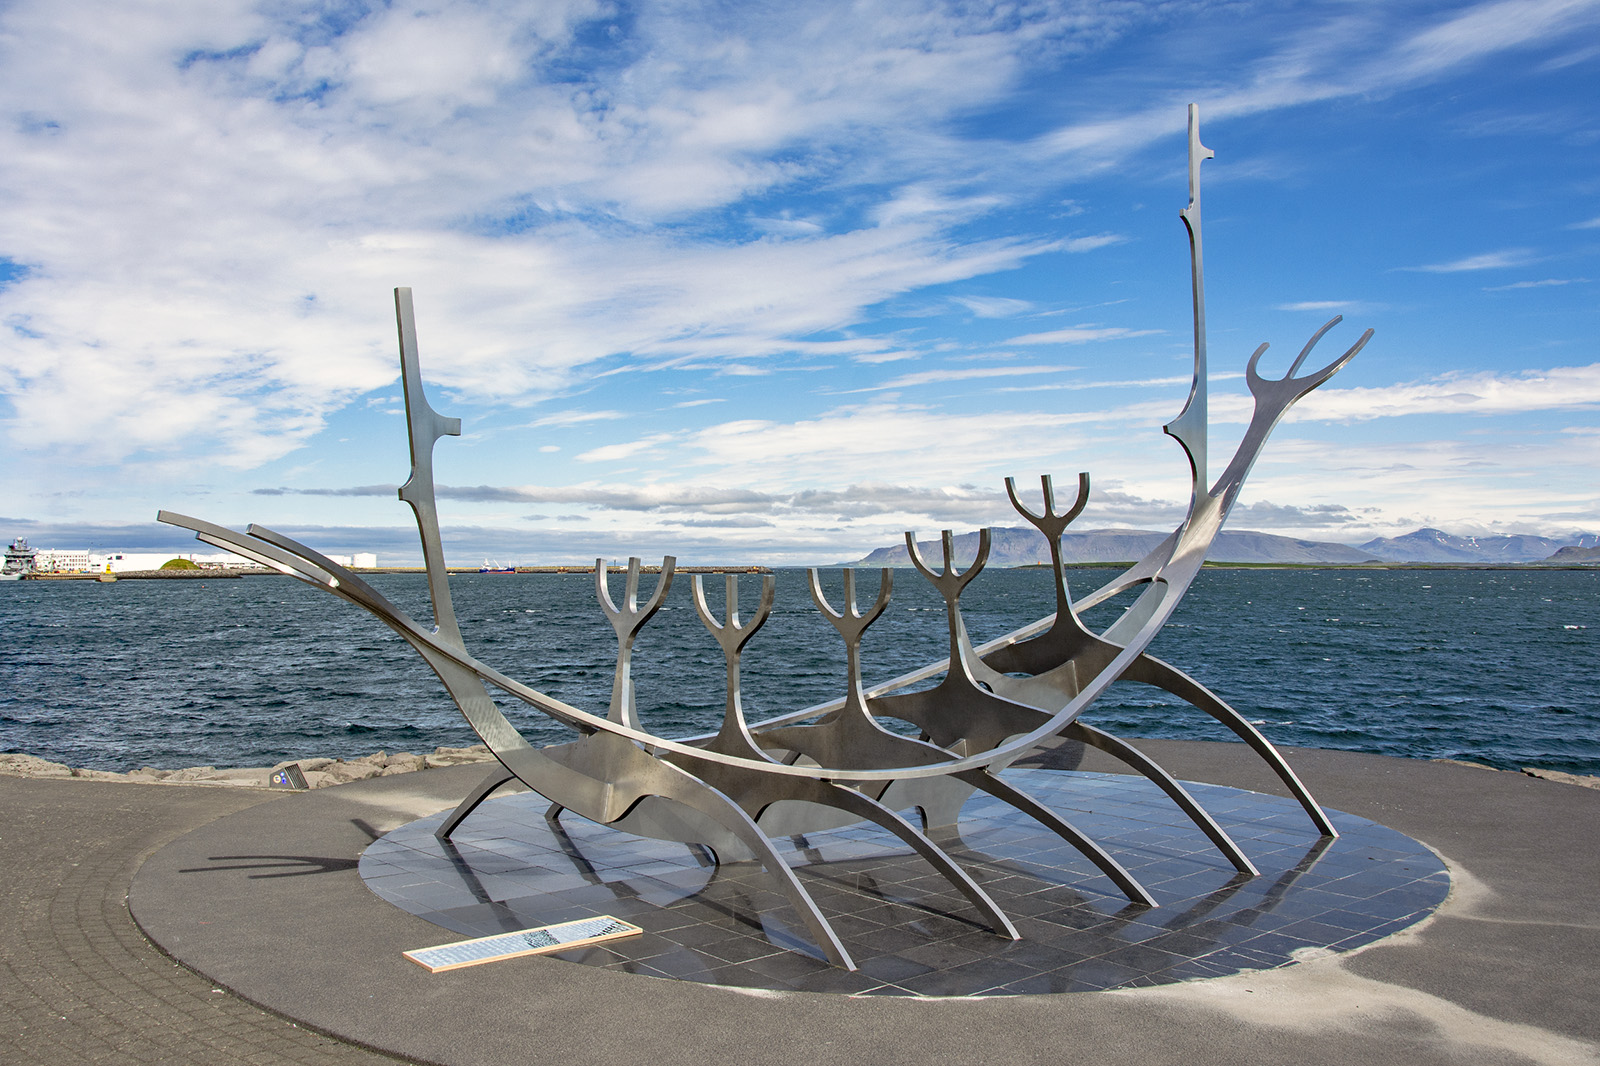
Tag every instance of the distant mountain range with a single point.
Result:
(1015, 546)
(1436, 546)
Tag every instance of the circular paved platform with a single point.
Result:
(268, 904)
(508, 868)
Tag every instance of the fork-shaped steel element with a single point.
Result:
(1051, 525)
(967, 673)
(949, 581)
(732, 635)
(850, 736)
(851, 623)
(627, 620)
(763, 796)
(972, 711)
(1068, 651)
(963, 713)
(1055, 658)
(975, 708)
(1274, 397)
(1054, 652)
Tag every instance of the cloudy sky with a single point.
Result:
(774, 282)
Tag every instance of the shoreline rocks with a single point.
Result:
(1559, 776)
(1562, 777)
(319, 772)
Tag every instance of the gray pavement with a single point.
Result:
(78, 982)
(259, 892)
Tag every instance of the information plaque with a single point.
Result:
(538, 941)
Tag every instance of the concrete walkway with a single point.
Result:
(259, 891)
(78, 982)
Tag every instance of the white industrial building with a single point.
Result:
(82, 560)
(122, 562)
(119, 562)
(60, 560)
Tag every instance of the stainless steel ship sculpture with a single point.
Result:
(836, 764)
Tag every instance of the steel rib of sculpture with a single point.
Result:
(835, 764)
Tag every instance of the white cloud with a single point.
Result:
(931, 377)
(576, 418)
(435, 61)
(212, 201)
(993, 306)
(890, 356)
(1489, 483)
(1486, 393)
(907, 443)
(1080, 335)
(1089, 244)
(789, 227)
(1545, 284)
(1510, 257)
(256, 179)
(1126, 383)
(625, 449)
(920, 201)
(1486, 29)
(1365, 53)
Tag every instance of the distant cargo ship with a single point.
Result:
(495, 568)
(19, 561)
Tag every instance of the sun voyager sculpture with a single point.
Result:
(836, 764)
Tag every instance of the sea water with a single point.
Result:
(1497, 666)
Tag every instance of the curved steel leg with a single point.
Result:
(1121, 749)
(498, 777)
(1152, 671)
(862, 806)
(1062, 828)
(714, 804)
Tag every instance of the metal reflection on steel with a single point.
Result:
(836, 764)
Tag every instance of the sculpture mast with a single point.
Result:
(1190, 427)
(425, 426)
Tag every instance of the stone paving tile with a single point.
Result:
(916, 935)
(78, 982)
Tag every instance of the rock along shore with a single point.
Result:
(319, 773)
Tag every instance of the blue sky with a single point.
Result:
(776, 282)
